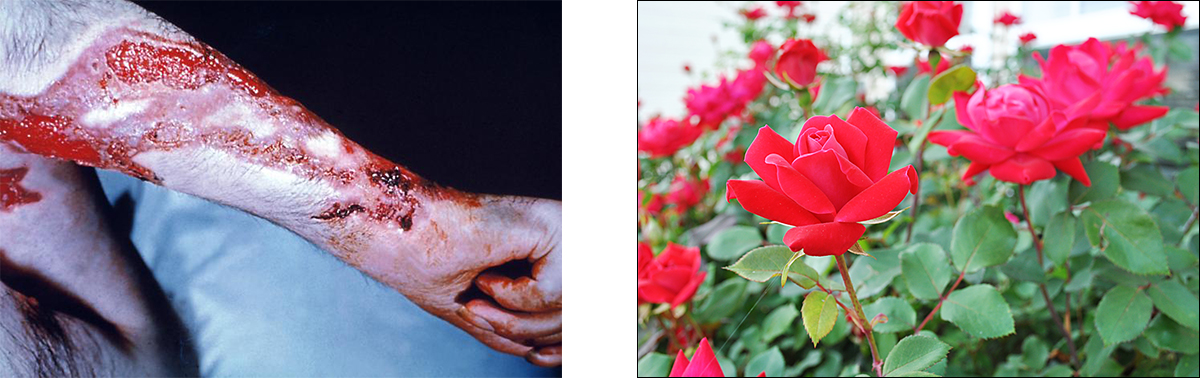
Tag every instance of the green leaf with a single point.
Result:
(1095, 356)
(769, 361)
(957, 78)
(1122, 314)
(820, 313)
(1189, 366)
(1046, 198)
(722, 302)
(655, 365)
(1180, 50)
(979, 311)
(1034, 353)
(762, 264)
(778, 322)
(918, 137)
(914, 101)
(883, 218)
(1187, 182)
(872, 275)
(1058, 371)
(1167, 334)
(1180, 259)
(788, 266)
(775, 233)
(1105, 180)
(915, 374)
(914, 353)
(835, 92)
(982, 238)
(1059, 237)
(1024, 266)
(1147, 179)
(1176, 301)
(900, 314)
(733, 242)
(1134, 243)
(926, 270)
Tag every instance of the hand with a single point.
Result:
(519, 315)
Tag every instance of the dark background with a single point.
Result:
(465, 94)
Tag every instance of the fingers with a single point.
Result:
(525, 327)
(548, 356)
(521, 294)
(487, 335)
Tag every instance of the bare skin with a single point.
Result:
(89, 309)
(117, 88)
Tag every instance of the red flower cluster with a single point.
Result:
(1169, 14)
(753, 13)
(686, 193)
(662, 136)
(671, 277)
(930, 22)
(833, 177)
(1007, 19)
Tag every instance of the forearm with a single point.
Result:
(143, 98)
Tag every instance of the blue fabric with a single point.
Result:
(260, 301)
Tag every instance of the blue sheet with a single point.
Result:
(260, 301)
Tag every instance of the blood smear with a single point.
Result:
(12, 194)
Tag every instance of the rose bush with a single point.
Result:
(662, 136)
(1072, 256)
(833, 177)
(1169, 14)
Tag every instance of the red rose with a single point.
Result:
(898, 70)
(672, 277)
(1027, 37)
(753, 14)
(662, 137)
(746, 87)
(808, 17)
(1007, 19)
(930, 22)
(1014, 136)
(967, 49)
(833, 177)
(687, 193)
(713, 104)
(703, 363)
(1101, 82)
(923, 66)
(798, 60)
(645, 255)
(1166, 13)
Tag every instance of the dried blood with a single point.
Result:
(12, 194)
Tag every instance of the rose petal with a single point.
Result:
(975, 148)
(756, 197)
(765, 143)
(1138, 114)
(850, 138)
(799, 188)
(879, 198)
(681, 363)
(1069, 144)
(960, 109)
(947, 137)
(1038, 136)
(824, 239)
(975, 169)
(704, 363)
(825, 171)
(1007, 131)
(685, 292)
(881, 140)
(1074, 168)
(1023, 169)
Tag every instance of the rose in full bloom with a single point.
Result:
(1007, 19)
(712, 104)
(833, 177)
(686, 193)
(1027, 37)
(703, 363)
(1166, 13)
(671, 277)
(1012, 133)
(753, 13)
(663, 136)
(930, 22)
(797, 64)
(1101, 81)
(923, 66)
(645, 255)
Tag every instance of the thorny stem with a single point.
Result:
(940, 300)
(877, 364)
(1037, 244)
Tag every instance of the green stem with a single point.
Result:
(1037, 243)
(877, 363)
